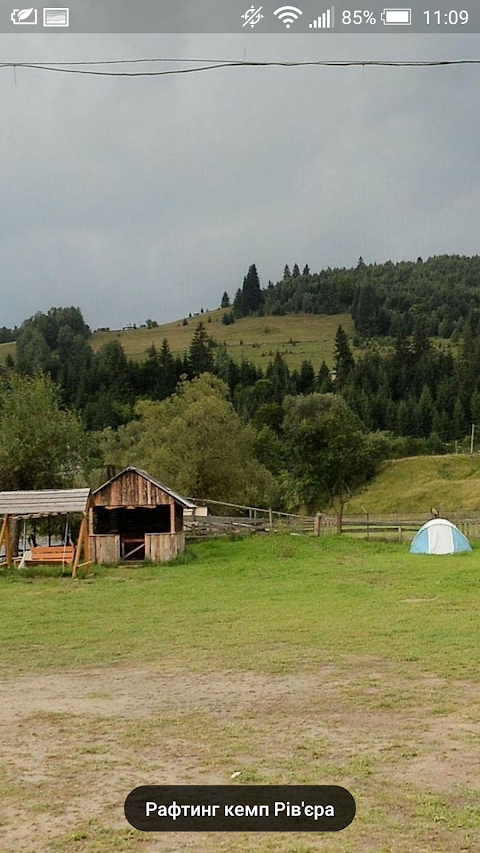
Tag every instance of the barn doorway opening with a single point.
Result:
(131, 525)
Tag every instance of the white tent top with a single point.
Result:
(43, 502)
(438, 521)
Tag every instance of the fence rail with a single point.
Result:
(217, 526)
(404, 529)
(388, 526)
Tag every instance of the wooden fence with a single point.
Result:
(404, 528)
(249, 519)
(243, 520)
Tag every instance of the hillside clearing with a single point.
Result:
(296, 336)
(450, 483)
(286, 659)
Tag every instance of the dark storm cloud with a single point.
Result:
(149, 197)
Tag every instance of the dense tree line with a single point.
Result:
(411, 389)
(7, 335)
(381, 297)
(404, 393)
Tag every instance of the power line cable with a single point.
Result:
(66, 68)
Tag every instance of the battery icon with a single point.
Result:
(397, 17)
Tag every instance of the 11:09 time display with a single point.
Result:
(452, 18)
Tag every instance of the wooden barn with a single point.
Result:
(135, 517)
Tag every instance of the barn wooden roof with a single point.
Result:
(131, 469)
(44, 502)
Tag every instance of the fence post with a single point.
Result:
(368, 527)
(318, 524)
(270, 519)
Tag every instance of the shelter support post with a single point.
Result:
(172, 516)
(82, 543)
(5, 537)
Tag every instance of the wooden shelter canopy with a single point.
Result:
(44, 502)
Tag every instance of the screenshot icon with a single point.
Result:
(56, 17)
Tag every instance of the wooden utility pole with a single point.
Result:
(471, 440)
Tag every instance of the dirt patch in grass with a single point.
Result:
(75, 742)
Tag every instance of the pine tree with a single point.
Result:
(306, 378)
(251, 292)
(323, 382)
(421, 341)
(344, 361)
(286, 272)
(459, 424)
(238, 306)
(279, 376)
(295, 271)
(166, 362)
(425, 413)
(405, 418)
(225, 303)
(366, 311)
(306, 270)
(200, 356)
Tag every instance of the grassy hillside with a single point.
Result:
(297, 336)
(448, 483)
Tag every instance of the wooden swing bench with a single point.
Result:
(51, 554)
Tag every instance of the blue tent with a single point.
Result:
(439, 536)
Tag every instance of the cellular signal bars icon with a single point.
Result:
(325, 21)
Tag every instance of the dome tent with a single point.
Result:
(439, 536)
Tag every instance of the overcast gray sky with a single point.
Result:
(150, 197)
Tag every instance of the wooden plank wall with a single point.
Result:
(105, 549)
(163, 547)
(131, 490)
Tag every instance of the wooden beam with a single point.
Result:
(130, 553)
(86, 542)
(172, 515)
(81, 542)
(8, 544)
(3, 530)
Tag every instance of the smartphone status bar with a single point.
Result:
(242, 16)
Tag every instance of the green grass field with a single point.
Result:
(285, 659)
(257, 339)
(450, 483)
(297, 337)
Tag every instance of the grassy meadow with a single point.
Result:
(297, 337)
(284, 659)
(450, 483)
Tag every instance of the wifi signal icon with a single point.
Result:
(288, 14)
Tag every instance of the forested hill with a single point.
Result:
(442, 290)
